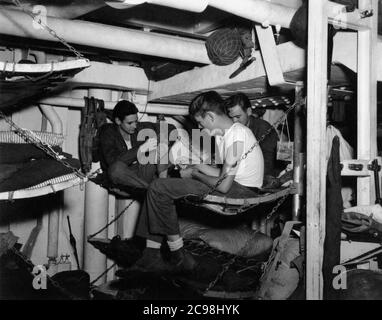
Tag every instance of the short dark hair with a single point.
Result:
(124, 108)
(205, 102)
(238, 99)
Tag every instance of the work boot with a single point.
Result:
(182, 261)
(151, 262)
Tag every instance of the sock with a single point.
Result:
(175, 245)
(153, 244)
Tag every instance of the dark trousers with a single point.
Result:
(133, 176)
(158, 216)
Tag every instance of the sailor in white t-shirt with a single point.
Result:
(250, 170)
(239, 177)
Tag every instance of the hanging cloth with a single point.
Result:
(285, 148)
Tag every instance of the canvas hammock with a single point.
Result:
(21, 82)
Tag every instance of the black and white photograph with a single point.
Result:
(190, 156)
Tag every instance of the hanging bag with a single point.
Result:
(285, 148)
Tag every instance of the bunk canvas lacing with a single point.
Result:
(32, 138)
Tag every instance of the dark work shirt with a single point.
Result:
(113, 146)
(268, 146)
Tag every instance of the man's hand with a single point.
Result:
(149, 145)
(188, 172)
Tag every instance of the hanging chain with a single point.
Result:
(47, 28)
(255, 145)
(276, 207)
(227, 265)
(112, 221)
(30, 137)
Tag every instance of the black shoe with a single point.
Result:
(182, 261)
(151, 262)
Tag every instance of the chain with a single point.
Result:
(112, 221)
(47, 28)
(30, 137)
(255, 145)
(276, 207)
(227, 265)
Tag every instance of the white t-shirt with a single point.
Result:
(250, 172)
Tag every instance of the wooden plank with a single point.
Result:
(270, 55)
(316, 147)
(367, 100)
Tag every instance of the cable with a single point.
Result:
(147, 101)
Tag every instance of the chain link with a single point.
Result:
(30, 137)
(255, 145)
(47, 28)
(112, 221)
(227, 265)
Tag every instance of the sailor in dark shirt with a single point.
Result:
(239, 109)
(120, 148)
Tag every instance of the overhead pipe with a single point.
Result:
(52, 117)
(175, 110)
(16, 23)
(276, 12)
(72, 11)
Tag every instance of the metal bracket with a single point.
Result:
(359, 168)
(366, 14)
(297, 188)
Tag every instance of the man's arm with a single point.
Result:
(227, 173)
(208, 170)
